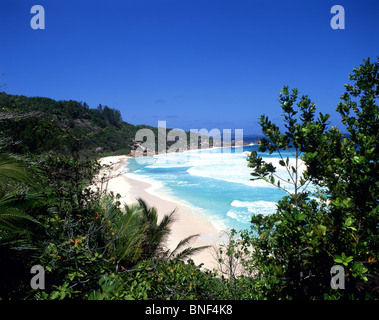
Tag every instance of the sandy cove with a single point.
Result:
(187, 222)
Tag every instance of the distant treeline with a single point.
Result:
(68, 127)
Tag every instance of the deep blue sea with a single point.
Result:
(214, 181)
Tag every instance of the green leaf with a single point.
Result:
(54, 295)
(343, 259)
(322, 228)
(301, 216)
(338, 259)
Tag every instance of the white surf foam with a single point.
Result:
(243, 210)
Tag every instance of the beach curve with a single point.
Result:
(187, 222)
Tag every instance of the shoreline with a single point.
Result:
(187, 222)
(189, 148)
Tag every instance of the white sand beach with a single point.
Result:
(187, 221)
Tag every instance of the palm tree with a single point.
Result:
(157, 234)
(133, 233)
(12, 217)
(123, 232)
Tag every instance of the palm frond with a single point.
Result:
(160, 232)
(12, 217)
(148, 214)
(186, 253)
(130, 234)
(183, 242)
(125, 231)
(14, 168)
(14, 220)
(21, 200)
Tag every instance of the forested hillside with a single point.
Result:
(68, 127)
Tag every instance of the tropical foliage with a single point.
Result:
(336, 223)
(79, 236)
(94, 247)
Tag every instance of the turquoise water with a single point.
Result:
(214, 181)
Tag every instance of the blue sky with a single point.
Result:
(194, 63)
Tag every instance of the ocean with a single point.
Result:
(215, 182)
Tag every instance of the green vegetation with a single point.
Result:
(67, 127)
(84, 240)
(93, 247)
(296, 247)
